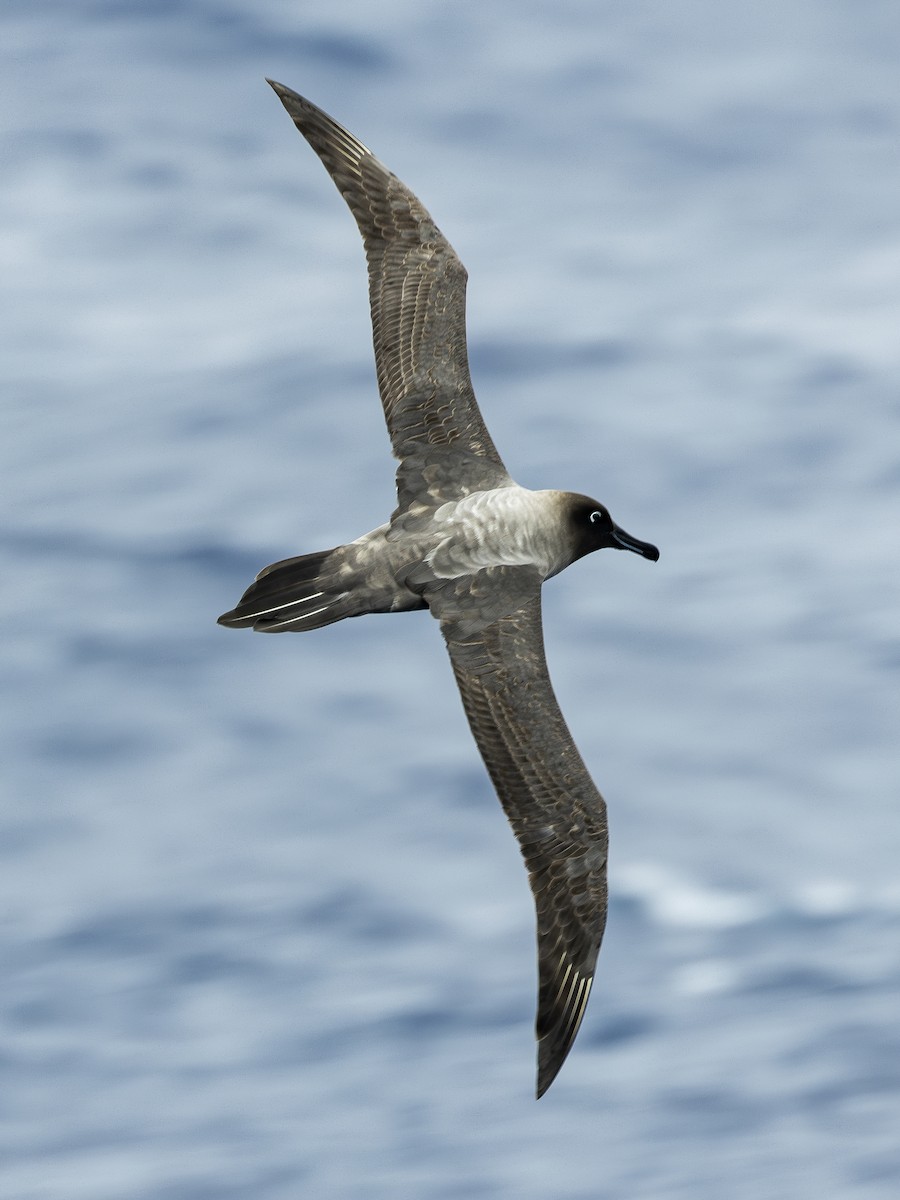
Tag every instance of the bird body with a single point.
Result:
(506, 527)
(473, 547)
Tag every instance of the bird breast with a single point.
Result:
(509, 526)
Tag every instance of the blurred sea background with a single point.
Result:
(265, 932)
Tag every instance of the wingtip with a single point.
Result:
(556, 1031)
(283, 93)
(545, 1076)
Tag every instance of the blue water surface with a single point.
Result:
(265, 932)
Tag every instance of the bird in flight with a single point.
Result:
(471, 545)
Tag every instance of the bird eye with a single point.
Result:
(596, 516)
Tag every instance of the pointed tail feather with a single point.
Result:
(296, 594)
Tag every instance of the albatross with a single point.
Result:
(468, 543)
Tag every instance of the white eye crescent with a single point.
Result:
(596, 516)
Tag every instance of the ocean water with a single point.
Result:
(265, 932)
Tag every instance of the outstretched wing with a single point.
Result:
(555, 810)
(417, 291)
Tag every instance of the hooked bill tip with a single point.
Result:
(626, 542)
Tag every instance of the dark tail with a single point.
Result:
(297, 594)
